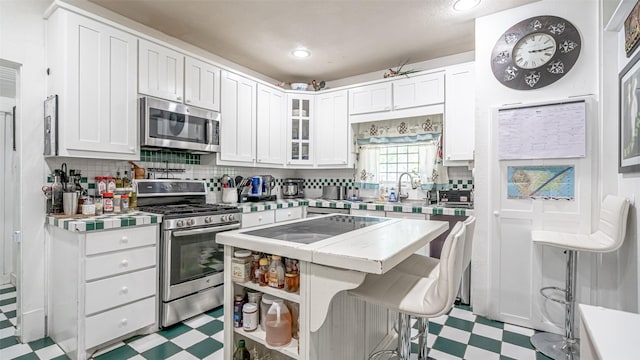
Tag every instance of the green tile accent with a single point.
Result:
(66, 224)
(8, 341)
(28, 356)
(450, 347)
(162, 351)
(380, 207)
(459, 323)
(290, 205)
(362, 206)
(485, 343)
(99, 225)
(10, 314)
(7, 301)
(217, 312)
(279, 206)
(211, 327)
(154, 219)
(254, 208)
(267, 207)
(485, 321)
(124, 222)
(5, 324)
(541, 356)
(347, 206)
(91, 186)
(397, 208)
(132, 221)
(123, 352)
(332, 205)
(204, 348)
(133, 338)
(89, 225)
(174, 331)
(434, 328)
(517, 339)
(41, 343)
(7, 290)
(83, 180)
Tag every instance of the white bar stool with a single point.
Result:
(609, 237)
(422, 288)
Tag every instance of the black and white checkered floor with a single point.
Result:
(458, 335)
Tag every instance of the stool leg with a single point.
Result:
(423, 331)
(404, 336)
(555, 346)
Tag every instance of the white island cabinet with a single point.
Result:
(336, 256)
(103, 286)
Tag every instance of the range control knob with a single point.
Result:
(223, 218)
(180, 223)
(207, 219)
(190, 222)
(231, 217)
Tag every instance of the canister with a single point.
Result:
(249, 316)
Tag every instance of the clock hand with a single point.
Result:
(541, 50)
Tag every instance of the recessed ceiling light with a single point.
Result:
(301, 53)
(464, 5)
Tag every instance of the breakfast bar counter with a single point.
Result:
(336, 252)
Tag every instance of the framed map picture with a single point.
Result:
(541, 182)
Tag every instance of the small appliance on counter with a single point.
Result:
(455, 198)
(256, 188)
(334, 192)
(292, 188)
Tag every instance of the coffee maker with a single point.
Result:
(257, 188)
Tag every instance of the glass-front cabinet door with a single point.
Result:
(300, 128)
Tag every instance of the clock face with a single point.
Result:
(535, 52)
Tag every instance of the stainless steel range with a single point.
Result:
(191, 262)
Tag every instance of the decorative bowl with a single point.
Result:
(299, 86)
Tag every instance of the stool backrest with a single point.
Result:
(450, 272)
(469, 227)
(613, 221)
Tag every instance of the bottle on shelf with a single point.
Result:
(263, 272)
(126, 181)
(56, 194)
(241, 352)
(278, 324)
(118, 179)
(276, 272)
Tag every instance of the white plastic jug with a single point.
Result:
(278, 324)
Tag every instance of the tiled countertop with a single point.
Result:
(408, 208)
(103, 222)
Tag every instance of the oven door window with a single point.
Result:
(169, 125)
(195, 256)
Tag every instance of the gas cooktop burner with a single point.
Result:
(189, 209)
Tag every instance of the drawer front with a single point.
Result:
(124, 238)
(288, 214)
(258, 218)
(119, 262)
(367, 212)
(104, 294)
(120, 321)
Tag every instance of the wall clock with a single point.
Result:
(535, 52)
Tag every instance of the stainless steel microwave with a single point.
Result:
(165, 124)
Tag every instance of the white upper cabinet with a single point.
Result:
(300, 129)
(201, 84)
(93, 72)
(370, 98)
(238, 118)
(270, 126)
(418, 91)
(161, 71)
(168, 74)
(332, 129)
(459, 116)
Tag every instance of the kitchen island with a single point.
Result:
(335, 253)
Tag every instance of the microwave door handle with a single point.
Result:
(214, 229)
(210, 126)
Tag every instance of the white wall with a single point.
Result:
(22, 41)
(616, 275)
(622, 290)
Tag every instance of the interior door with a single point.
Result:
(518, 267)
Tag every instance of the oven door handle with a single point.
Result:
(213, 229)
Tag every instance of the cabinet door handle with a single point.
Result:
(124, 322)
(132, 149)
(124, 263)
(179, 98)
(188, 100)
(124, 239)
(259, 218)
(124, 290)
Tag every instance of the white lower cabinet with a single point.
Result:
(271, 216)
(103, 286)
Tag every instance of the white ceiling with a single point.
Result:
(345, 37)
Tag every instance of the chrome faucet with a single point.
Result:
(402, 196)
